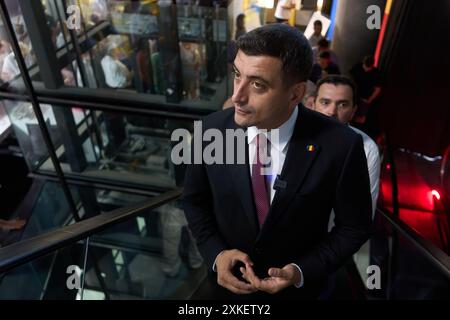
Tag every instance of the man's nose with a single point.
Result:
(240, 96)
(332, 111)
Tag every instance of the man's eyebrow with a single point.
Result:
(338, 101)
(343, 100)
(260, 79)
(252, 77)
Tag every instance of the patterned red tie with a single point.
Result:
(258, 180)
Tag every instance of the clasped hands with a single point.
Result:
(277, 280)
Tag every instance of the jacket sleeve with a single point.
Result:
(352, 207)
(197, 202)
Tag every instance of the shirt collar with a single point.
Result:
(285, 132)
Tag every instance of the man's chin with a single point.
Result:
(242, 121)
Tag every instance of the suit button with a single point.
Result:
(258, 250)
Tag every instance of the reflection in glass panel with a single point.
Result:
(86, 76)
(53, 23)
(9, 68)
(50, 209)
(152, 256)
(5, 124)
(110, 146)
(44, 208)
(117, 64)
(10, 79)
(418, 208)
(138, 46)
(94, 201)
(56, 15)
(45, 278)
(109, 200)
(27, 132)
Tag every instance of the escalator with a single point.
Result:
(145, 251)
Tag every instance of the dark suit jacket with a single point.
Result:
(219, 206)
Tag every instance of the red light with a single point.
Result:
(388, 166)
(436, 194)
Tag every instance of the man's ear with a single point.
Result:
(297, 93)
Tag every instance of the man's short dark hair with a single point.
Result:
(283, 42)
(369, 61)
(323, 43)
(318, 23)
(339, 80)
(325, 55)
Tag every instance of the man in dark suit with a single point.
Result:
(264, 235)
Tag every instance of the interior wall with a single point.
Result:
(415, 111)
(352, 39)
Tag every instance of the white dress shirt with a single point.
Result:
(116, 73)
(373, 164)
(314, 39)
(10, 68)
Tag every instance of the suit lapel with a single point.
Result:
(301, 153)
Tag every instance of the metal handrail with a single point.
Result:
(436, 256)
(25, 251)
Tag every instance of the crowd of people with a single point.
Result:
(244, 266)
(365, 74)
(319, 85)
(283, 232)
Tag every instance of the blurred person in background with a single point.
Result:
(322, 46)
(283, 10)
(317, 35)
(327, 65)
(336, 97)
(368, 79)
(240, 26)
